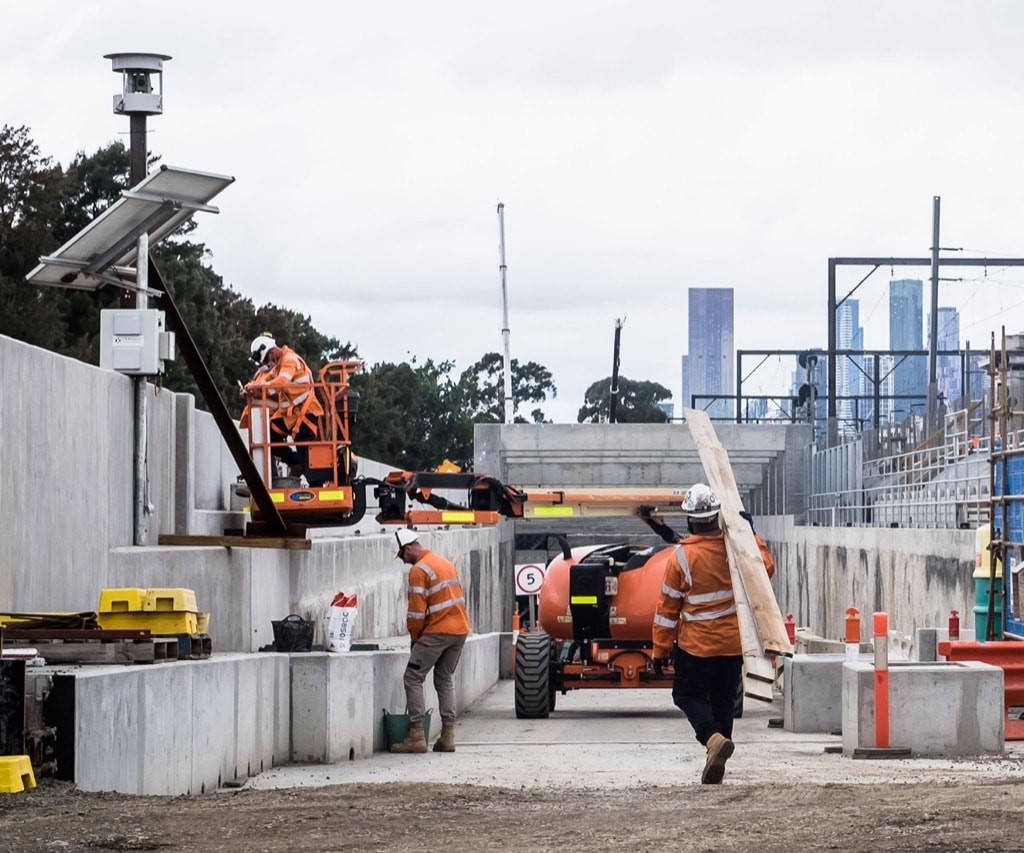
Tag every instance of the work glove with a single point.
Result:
(644, 511)
(749, 518)
(660, 664)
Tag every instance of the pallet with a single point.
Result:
(153, 650)
(286, 543)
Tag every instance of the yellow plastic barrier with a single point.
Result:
(15, 774)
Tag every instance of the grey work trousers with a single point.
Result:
(440, 652)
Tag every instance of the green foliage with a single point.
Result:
(43, 205)
(484, 387)
(638, 402)
(411, 415)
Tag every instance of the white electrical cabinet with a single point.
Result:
(133, 341)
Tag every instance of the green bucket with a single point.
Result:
(981, 585)
(396, 727)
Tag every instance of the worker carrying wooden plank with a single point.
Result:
(696, 623)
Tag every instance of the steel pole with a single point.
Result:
(832, 435)
(932, 419)
(140, 483)
(509, 407)
(613, 393)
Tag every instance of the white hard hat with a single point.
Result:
(405, 536)
(260, 346)
(701, 502)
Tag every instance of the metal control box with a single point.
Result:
(133, 341)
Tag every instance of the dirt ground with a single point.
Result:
(428, 817)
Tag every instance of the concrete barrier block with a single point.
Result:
(935, 709)
(927, 642)
(812, 699)
(332, 706)
(214, 729)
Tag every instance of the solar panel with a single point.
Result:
(101, 253)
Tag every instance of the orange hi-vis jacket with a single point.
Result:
(697, 610)
(436, 604)
(288, 401)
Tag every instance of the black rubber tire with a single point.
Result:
(533, 676)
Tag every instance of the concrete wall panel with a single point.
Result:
(916, 576)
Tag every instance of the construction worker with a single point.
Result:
(284, 384)
(697, 614)
(438, 627)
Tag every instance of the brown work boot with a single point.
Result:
(445, 743)
(720, 748)
(414, 741)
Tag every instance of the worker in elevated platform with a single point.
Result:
(438, 627)
(697, 616)
(284, 384)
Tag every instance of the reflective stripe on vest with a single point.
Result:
(671, 593)
(429, 572)
(709, 615)
(444, 605)
(684, 564)
(664, 622)
(708, 597)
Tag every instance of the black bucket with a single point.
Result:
(293, 634)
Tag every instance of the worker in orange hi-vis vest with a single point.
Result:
(438, 627)
(697, 615)
(291, 398)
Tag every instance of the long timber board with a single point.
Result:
(759, 605)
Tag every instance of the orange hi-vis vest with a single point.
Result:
(436, 603)
(697, 610)
(291, 395)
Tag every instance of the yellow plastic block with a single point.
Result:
(160, 624)
(171, 600)
(203, 621)
(15, 774)
(125, 600)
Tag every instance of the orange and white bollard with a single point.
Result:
(852, 635)
(515, 626)
(881, 635)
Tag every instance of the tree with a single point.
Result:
(30, 205)
(412, 416)
(485, 390)
(638, 402)
(42, 206)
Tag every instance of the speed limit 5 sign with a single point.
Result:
(529, 578)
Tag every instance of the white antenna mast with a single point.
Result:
(509, 409)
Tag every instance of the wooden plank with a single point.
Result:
(745, 556)
(280, 542)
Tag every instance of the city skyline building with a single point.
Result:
(947, 367)
(849, 379)
(710, 348)
(906, 325)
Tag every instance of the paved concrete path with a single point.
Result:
(625, 739)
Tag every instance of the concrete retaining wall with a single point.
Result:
(180, 728)
(66, 516)
(338, 700)
(916, 576)
(190, 726)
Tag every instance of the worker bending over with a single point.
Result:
(697, 614)
(438, 627)
(284, 383)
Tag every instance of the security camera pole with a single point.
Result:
(509, 407)
(141, 96)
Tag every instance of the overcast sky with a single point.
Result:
(639, 148)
